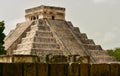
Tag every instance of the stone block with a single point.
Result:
(12, 69)
(25, 59)
(57, 59)
(5, 59)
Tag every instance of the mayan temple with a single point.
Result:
(46, 33)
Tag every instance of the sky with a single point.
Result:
(98, 18)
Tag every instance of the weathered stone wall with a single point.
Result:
(18, 59)
(43, 69)
(42, 59)
(5, 59)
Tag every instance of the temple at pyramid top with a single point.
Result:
(42, 11)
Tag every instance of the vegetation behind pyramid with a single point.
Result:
(46, 32)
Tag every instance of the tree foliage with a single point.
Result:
(115, 53)
(2, 36)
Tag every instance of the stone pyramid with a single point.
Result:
(46, 32)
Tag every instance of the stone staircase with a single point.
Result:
(15, 36)
(39, 41)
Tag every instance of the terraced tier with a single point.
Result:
(101, 56)
(15, 37)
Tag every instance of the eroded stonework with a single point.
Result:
(47, 33)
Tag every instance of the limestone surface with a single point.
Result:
(47, 33)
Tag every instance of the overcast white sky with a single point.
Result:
(98, 18)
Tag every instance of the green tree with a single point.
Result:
(2, 36)
(115, 53)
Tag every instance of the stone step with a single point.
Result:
(43, 28)
(28, 45)
(38, 39)
(45, 39)
(22, 52)
(83, 36)
(104, 59)
(30, 33)
(27, 39)
(38, 45)
(101, 56)
(38, 51)
(92, 47)
(60, 24)
(44, 34)
(64, 33)
(98, 53)
(87, 41)
(46, 45)
(40, 33)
